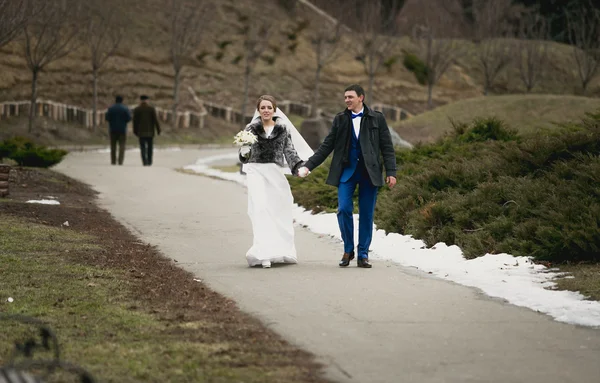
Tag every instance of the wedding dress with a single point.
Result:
(270, 205)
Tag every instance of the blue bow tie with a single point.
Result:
(357, 115)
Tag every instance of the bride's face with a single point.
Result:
(265, 108)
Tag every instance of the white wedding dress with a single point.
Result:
(270, 204)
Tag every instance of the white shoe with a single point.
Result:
(266, 264)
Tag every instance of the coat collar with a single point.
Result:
(366, 112)
(259, 129)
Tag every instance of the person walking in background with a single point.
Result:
(145, 121)
(118, 115)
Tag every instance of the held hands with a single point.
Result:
(303, 172)
(245, 150)
(390, 181)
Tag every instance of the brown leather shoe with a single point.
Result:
(363, 262)
(346, 258)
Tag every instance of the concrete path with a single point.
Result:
(386, 324)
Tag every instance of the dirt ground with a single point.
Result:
(155, 284)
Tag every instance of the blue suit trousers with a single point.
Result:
(367, 196)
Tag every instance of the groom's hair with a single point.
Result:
(266, 97)
(357, 88)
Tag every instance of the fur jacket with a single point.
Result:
(274, 148)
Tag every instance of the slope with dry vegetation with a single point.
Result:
(141, 65)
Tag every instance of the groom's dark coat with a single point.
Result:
(374, 138)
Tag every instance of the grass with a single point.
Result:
(296, 120)
(527, 113)
(228, 169)
(584, 278)
(99, 323)
(53, 133)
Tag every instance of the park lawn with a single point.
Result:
(228, 168)
(584, 278)
(119, 308)
(527, 113)
(57, 133)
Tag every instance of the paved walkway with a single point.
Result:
(386, 324)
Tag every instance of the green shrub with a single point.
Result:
(10, 146)
(27, 153)
(488, 190)
(418, 67)
(484, 129)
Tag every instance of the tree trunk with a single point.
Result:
(32, 103)
(246, 91)
(176, 97)
(584, 85)
(95, 99)
(370, 92)
(315, 103)
(430, 85)
(431, 73)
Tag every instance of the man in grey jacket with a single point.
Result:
(357, 138)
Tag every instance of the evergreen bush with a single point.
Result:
(488, 190)
(27, 153)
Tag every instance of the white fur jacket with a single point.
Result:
(273, 148)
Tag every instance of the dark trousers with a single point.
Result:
(117, 138)
(147, 148)
(367, 196)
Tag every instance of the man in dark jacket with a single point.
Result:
(357, 138)
(145, 122)
(118, 115)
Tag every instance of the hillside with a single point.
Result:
(142, 66)
(527, 113)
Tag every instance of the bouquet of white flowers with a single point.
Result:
(244, 138)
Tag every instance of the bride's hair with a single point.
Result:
(266, 97)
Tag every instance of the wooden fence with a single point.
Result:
(185, 120)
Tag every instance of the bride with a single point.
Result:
(270, 200)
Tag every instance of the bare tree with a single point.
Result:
(326, 40)
(583, 27)
(376, 27)
(532, 52)
(188, 22)
(13, 16)
(437, 50)
(435, 33)
(492, 33)
(103, 35)
(50, 36)
(255, 43)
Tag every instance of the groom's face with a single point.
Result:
(353, 101)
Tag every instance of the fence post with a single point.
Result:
(73, 114)
(4, 179)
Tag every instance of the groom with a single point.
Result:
(358, 135)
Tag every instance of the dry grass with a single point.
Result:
(119, 308)
(142, 65)
(582, 278)
(53, 133)
(527, 113)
